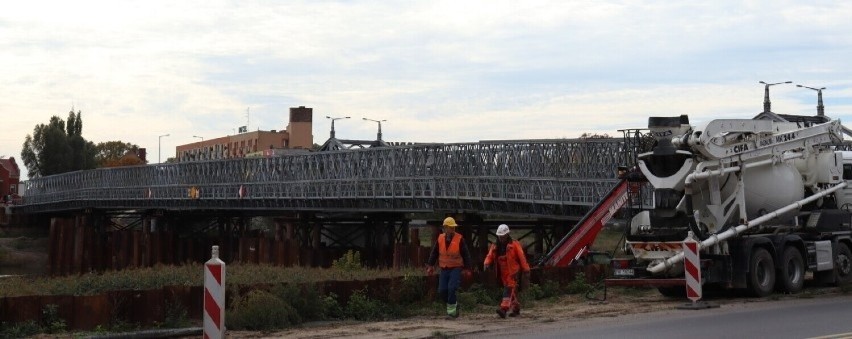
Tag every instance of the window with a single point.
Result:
(847, 171)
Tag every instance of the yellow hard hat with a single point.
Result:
(449, 221)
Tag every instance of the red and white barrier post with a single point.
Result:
(214, 297)
(692, 268)
(692, 273)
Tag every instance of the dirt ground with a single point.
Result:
(573, 308)
(618, 302)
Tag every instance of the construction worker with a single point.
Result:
(510, 258)
(452, 255)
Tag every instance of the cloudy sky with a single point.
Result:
(440, 71)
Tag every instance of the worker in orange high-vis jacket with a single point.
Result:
(451, 255)
(510, 259)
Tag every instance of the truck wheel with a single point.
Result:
(843, 264)
(761, 273)
(791, 277)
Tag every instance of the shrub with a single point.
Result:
(484, 295)
(547, 289)
(332, 306)
(261, 310)
(579, 285)
(19, 330)
(307, 302)
(175, 315)
(467, 300)
(50, 319)
(411, 290)
(350, 261)
(361, 307)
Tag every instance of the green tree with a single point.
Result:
(82, 152)
(110, 153)
(58, 147)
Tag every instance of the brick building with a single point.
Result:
(298, 135)
(10, 177)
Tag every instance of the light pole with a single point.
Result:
(379, 136)
(159, 146)
(195, 136)
(820, 107)
(766, 104)
(332, 124)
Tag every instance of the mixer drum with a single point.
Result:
(768, 188)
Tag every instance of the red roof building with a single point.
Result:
(10, 176)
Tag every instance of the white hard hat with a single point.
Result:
(503, 229)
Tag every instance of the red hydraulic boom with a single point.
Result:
(576, 243)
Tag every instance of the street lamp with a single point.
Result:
(159, 146)
(379, 136)
(820, 107)
(195, 136)
(766, 104)
(332, 124)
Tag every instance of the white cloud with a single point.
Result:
(444, 71)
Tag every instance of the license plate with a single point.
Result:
(623, 272)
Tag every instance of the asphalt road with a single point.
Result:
(822, 317)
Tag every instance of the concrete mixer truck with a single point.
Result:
(767, 201)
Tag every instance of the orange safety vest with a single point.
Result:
(449, 257)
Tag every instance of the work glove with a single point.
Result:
(486, 267)
(430, 270)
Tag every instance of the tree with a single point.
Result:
(113, 154)
(588, 135)
(58, 147)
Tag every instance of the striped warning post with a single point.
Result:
(692, 269)
(214, 297)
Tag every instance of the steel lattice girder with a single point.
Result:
(540, 177)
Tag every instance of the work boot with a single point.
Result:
(452, 311)
(515, 313)
(501, 313)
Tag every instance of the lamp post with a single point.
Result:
(820, 107)
(379, 135)
(332, 124)
(766, 104)
(159, 147)
(195, 136)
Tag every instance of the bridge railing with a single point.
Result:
(564, 171)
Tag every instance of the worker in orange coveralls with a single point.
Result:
(510, 258)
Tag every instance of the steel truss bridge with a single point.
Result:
(557, 179)
(320, 204)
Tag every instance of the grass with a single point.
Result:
(185, 275)
(608, 241)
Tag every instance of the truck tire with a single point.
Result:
(761, 273)
(791, 276)
(843, 265)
